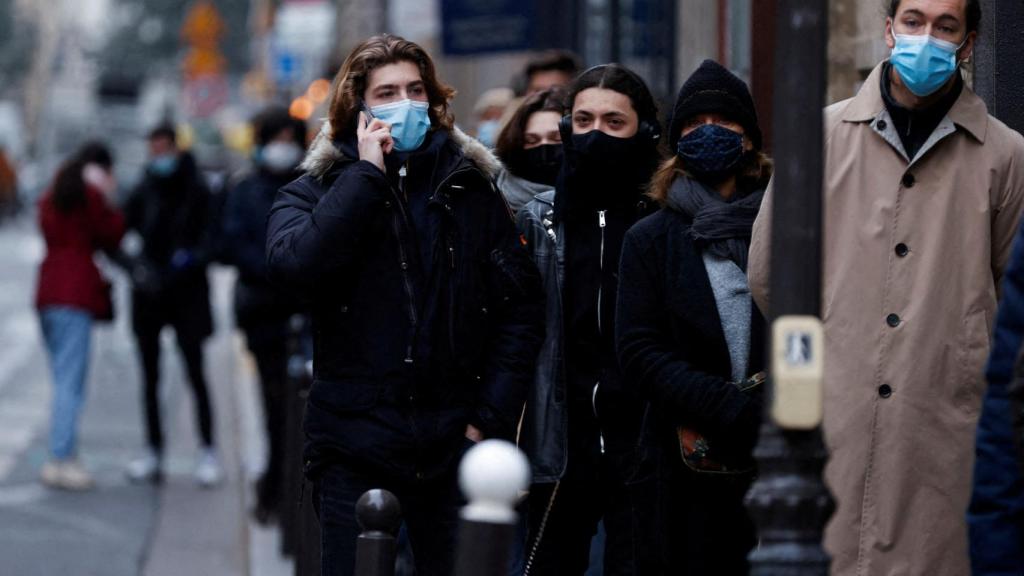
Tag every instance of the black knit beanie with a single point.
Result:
(713, 89)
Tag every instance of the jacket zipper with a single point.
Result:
(602, 222)
(540, 531)
(450, 248)
(399, 197)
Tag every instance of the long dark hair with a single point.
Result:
(68, 185)
(622, 80)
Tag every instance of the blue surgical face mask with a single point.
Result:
(409, 122)
(924, 62)
(163, 165)
(487, 132)
(711, 152)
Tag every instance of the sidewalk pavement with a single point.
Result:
(120, 529)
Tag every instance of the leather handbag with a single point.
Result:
(698, 452)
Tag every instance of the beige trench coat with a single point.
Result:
(913, 252)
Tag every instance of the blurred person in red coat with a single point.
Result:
(76, 219)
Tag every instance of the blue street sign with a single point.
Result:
(286, 67)
(481, 26)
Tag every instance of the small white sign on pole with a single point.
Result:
(797, 372)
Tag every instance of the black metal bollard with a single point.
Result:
(296, 381)
(492, 474)
(379, 515)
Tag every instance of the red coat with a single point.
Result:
(68, 276)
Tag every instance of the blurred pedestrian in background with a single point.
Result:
(923, 195)
(169, 211)
(261, 311)
(10, 201)
(690, 340)
(582, 421)
(489, 111)
(530, 146)
(426, 308)
(550, 69)
(77, 219)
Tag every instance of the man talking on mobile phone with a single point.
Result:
(427, 310)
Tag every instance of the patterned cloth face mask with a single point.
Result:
(711, 151)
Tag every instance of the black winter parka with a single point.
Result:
(406, 355)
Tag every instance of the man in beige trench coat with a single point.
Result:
(923, 192)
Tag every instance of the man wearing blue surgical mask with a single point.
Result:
(923, 194)
(426, 308)
(169, 210)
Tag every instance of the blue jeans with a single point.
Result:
(67, 333)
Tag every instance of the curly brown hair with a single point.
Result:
(350, 83)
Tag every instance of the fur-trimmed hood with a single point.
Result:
(323, 154)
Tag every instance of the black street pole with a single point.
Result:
(789, 502)
(999, 69)
(999, 80)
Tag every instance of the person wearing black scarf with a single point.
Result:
(582, 423)
(690, 339)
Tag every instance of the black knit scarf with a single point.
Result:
(720, 227)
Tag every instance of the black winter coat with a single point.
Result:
(670, 339)
(171, 215)
(259, 306)
(404, 360)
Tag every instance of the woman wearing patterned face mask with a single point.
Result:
(689, 337)
(530, 146)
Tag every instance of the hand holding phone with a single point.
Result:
(374, 137)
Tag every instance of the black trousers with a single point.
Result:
(430, 510)
(268, 345)
(191, 346)
(705, 529)
(610, 486)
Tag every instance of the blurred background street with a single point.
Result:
(122, 528)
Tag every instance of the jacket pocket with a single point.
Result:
(973, 351)
(341, 397)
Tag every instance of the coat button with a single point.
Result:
(881, 125)
(892, 320)
(405, 266)
(902, 250)
(909, 180)
(885, 390)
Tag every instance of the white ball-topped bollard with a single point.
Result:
(492, 475)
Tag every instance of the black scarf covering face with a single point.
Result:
(602, 172)
(720, 227)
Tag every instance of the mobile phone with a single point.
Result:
(366, 110)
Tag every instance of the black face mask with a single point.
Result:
(597, 153)
(602, 171)
(711, 153)
(539, 164)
